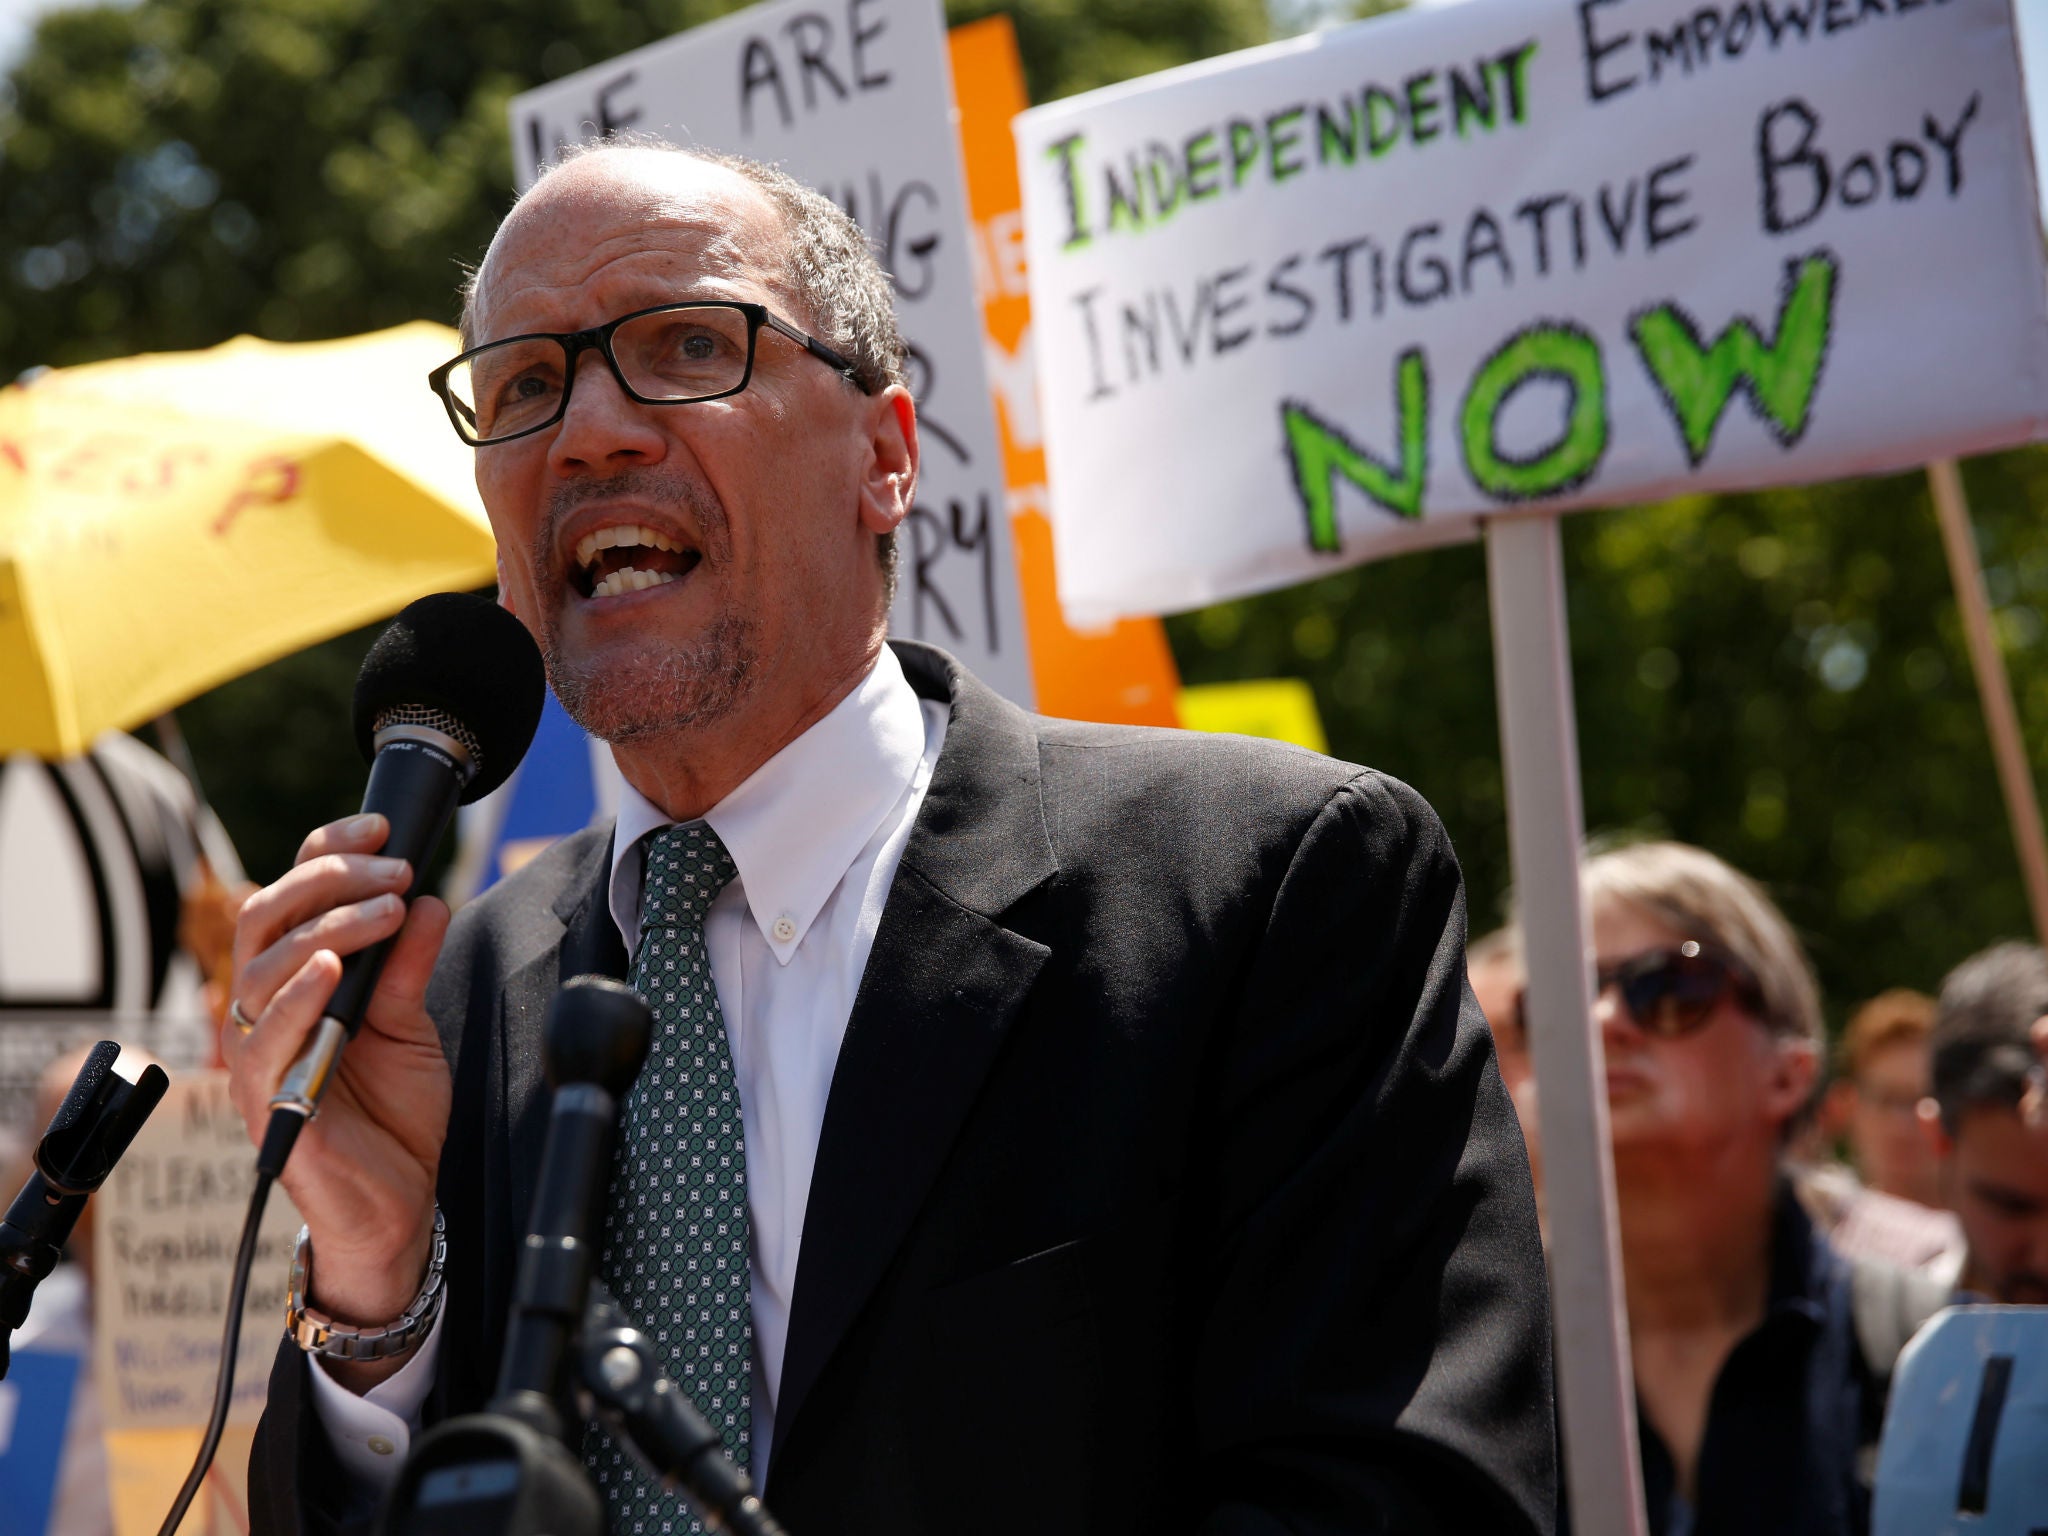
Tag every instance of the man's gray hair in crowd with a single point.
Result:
(834, 275)
(1981, 1044)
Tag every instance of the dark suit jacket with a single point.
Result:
(1166, 1181)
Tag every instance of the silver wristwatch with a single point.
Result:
(318, 1334)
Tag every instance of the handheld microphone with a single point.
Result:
(92, 1128)
(445, 706)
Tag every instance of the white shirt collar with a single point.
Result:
(796, 825)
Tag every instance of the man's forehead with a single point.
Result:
(632, 213)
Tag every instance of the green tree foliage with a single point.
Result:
(1779, 677)
(183, 171)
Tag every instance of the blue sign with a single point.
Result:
(555, 792)
(1965, 1449)
(35, 1407)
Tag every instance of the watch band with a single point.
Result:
(318, 1334)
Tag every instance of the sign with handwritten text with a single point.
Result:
(1326, 300)
(853, 97)
(166, 1226)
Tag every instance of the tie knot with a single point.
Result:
(687, 866)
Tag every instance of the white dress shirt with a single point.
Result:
(816, 834)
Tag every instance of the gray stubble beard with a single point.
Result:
(652, 693)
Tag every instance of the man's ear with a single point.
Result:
(889, 487)
(1793, 1071)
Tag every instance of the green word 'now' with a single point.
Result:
(1695, 379)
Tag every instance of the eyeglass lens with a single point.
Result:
(670, 355)
(1669, 994)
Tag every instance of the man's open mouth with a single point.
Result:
(628, 557)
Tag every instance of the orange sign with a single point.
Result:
(1123, 673)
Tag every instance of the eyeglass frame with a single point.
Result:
(1738, 981)
(598, 338)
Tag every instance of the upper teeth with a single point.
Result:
(623, 533)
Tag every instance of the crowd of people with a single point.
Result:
(1785, 1230)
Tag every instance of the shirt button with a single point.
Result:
(785, 929)
(381, 1446)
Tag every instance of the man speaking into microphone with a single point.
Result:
(1048, 1126)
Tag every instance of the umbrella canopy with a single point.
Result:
(171, 521)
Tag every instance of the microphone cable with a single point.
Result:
(278, 1139)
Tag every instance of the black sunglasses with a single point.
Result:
(1672, 992)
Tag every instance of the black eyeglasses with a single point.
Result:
(673, 354)
(1672, 992)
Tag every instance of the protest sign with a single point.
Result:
(166, 1226)
(1278, 708)
(1121, 672)
(853, 97)
(1322, 301)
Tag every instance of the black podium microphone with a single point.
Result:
(511, 1471)
(596, 1037)
(92, 1128)
(445, 706)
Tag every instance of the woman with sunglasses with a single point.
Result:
(1753, 1398)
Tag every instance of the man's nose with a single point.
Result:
(603, 428)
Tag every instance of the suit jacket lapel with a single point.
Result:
(942, 986)
(586, 942)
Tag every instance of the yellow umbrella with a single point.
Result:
(168, 522)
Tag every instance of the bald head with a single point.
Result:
(791, 238)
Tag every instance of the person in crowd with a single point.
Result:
(1887, 1205)
(1882, 1064)
(1493, 965)
(1758, 1404)
(1992, 1153)
(1095, 1123)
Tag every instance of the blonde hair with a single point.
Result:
(1705, 898)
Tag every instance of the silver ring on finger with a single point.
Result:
(242, 1022)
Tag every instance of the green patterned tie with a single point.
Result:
(677, 1235)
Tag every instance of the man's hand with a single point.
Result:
(362, 1174)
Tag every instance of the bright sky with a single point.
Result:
(17, 16)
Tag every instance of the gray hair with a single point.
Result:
(833, 273)
(1705, 898)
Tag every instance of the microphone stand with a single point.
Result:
(511, 1471)
(643, 1406)
(93, 1127)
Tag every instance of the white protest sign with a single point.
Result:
(1318, 302)
(167, 1225)
(854, 97)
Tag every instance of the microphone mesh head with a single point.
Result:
(466, 661)
(433, 720)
